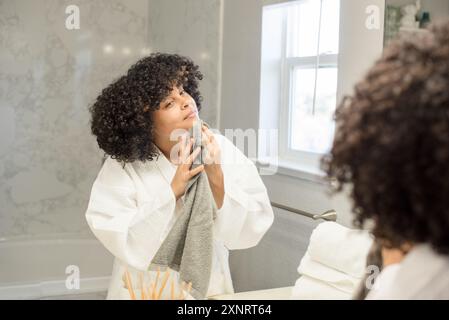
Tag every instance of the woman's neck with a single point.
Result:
(165, 146)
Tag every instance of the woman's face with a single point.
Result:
(176, 111)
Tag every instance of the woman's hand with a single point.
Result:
(183, 173)
(212, 160)
(212, 166)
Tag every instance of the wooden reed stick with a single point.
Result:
(155, 283)
(147, 289)
(129, 285)
(150, 291)
(142, 289)
(164, 282)
(172, 289)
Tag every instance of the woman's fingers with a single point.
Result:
(205, 140)
(189, 146)
(208, 133)
(192, 157)
(185, 149)
(195, 171)
(181, 147)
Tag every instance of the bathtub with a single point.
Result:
(38, 267)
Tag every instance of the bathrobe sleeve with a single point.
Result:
(131, 232)
(246, 213)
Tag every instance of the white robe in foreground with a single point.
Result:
(423, 274)
(132, 209)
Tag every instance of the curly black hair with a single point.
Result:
(121, 117)
(392, 143)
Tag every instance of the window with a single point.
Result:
(307, 57)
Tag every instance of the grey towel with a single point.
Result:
(188, 245)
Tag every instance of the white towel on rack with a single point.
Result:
(340, 248)
(334, 278)
(307, 288)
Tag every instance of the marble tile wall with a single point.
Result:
(48, 77)
(191, 28)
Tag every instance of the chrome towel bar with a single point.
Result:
(329, 215)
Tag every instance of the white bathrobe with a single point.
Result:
(132, 209)
(423, 274)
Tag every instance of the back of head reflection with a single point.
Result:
(392, 148)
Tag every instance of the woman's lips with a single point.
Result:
(191, 115)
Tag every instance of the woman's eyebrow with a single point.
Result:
(167, 100)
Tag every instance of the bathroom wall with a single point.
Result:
(48, 77)
(191, 28)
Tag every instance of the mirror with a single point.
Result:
(57, 58)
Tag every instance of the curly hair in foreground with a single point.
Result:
(121, 117)
(392, 143)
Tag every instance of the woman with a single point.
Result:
(392, 149)
(138, 193)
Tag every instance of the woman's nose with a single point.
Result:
(185, 104)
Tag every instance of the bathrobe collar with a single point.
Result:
(165, 166)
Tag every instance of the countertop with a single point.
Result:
(268, 294)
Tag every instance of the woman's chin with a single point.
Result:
(187, 123)
(190, 121)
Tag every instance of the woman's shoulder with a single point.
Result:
(115, 173)
(225, 141)
(226, 145)
(221, 139)
(231, 154)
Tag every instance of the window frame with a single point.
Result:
(307, 159)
